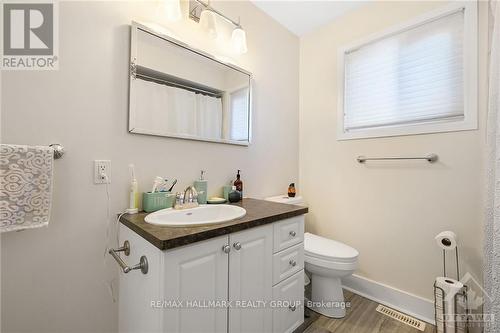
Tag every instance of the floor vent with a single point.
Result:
(405, 319)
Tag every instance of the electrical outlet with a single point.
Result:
(102, 172)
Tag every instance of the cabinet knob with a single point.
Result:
(292, 307)
(237, 246)
(292, 263)
(293, 233)
(226, 248)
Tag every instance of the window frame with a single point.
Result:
(470, 120)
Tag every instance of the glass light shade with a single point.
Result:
(208, 22)
(173, 10)
(239, 40)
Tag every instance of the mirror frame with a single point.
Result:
(135, 27)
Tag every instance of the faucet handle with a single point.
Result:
(179, 199)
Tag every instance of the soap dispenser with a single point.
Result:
(239, 184)
(201, 186)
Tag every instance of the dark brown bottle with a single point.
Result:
(291, 190)
(239, 184)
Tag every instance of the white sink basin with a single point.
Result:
(201, 215)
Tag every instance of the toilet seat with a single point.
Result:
(328, 253)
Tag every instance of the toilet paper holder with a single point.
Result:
(460, 321)
(447, 240)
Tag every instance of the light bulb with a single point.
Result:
(173, 10)
(208, 22)
(239, 40)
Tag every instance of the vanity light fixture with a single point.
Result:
(173, 10)
(239, 40)
(206, 15)
(208, 22)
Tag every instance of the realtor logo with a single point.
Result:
(28, 38)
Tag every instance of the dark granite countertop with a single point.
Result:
(259, 212)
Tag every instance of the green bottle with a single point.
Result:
(201, 186)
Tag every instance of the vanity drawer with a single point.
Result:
(291, 293)
(288, 233)
(288, 262)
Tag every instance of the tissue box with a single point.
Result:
(151, 202)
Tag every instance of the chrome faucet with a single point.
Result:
(188, 199)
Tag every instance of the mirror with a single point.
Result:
(177, 91)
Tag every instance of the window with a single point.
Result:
(418, 78)
(239, 115)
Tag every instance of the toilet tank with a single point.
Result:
(297, 200)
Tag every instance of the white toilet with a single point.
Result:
(327, 261)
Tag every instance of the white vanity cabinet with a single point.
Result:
(240, 282)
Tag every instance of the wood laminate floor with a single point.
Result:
(361, 317)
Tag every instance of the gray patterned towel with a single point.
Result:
(25, 186)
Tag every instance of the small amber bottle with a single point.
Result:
(291, 190)
(239, 184)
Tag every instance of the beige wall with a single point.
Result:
(390, 212)
(53, 279)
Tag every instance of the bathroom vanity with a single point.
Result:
(246, 275)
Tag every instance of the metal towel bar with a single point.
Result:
(431, 158)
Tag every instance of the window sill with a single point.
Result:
(416, 129)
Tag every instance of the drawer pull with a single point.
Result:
(226, 248)
(237, 246)
(292, 307)
(293, 233)
(292, 263)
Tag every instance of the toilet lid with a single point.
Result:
(328, 249)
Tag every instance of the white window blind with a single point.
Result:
(410, 77)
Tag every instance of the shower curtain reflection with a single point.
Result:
(166, 110)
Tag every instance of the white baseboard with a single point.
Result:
(415, 306)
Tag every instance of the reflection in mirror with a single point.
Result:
(176, 91)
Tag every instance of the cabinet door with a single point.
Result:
(250, 279)
(195, 275)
